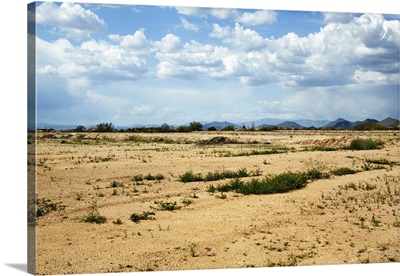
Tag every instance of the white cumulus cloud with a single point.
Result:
(248, 18)
(257, 18)
(77, 22)
(189, 26)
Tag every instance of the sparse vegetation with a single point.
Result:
(221, 196)
(45, 206)
(324, 216)
(118, 221)
(140, 177)
(116, 184)
(144, 216)
(166, 206)
(343, 171)
(382, 161)
(189, 176)
(281, 183)
(365, 144)
(93, 215)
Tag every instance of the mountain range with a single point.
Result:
(339, 123)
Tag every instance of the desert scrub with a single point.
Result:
(274, 150)
(45, 206)
(365, 144)
(93, 215)
(166, 206)
(281, 183)
(211, 188)
(221, 196)
(187, 202)
(315, 174)
(116, 184)
(214, 176)
(154, 177)
(315, 170)
(141, 178)
(190, 176)
(98, 159)
(320, 148)
(144, 216)
(382, 161)
(118, 222)
(343, 171)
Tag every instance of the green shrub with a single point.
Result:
(116, 184)
(154, 177)
(190, 177)
(45, 206)
(94, 215)
(221, 196)
(167, 206)
(281, 183)
(315, 174)
(187, 202)
(214, 176)
(343, 171)
(159, 177)
(138, 178)
(211, 189)
(144, 216)
(95, 219)
(365, 144)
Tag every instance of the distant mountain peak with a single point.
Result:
(389, 122)
(290, 125)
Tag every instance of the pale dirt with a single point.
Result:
(317, 225)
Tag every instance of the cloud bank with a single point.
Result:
(349, 56)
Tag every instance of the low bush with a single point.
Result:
(118, 222)
(315, 174)
(167, 206)
(140, 177)
(144, 216)
(154, 177)
(94, 215)
(382, 161)
(281, 183)
(95, 219)
(214, 176)
(365, 144)
(221, 196)
(45, 206)
(211, 189)
(190, 177)
(116, 184)
(343, 171)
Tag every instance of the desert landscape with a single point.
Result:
(121, 202)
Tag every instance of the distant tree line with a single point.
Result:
(102, 127)
(197, 126)
(109, 127)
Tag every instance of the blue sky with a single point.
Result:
(130, 64)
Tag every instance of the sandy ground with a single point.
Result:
(347, 219)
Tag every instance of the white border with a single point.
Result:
(13, 47)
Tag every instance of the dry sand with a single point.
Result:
(347, 219)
